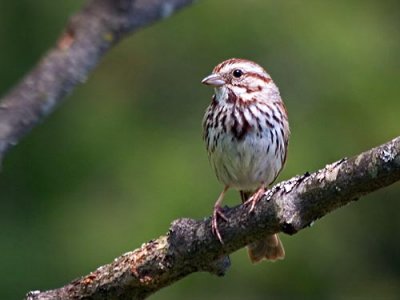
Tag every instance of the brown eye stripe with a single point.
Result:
(258, 76)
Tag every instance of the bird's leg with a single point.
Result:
(218, 213)
(252, 201)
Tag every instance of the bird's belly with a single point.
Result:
(246, 164)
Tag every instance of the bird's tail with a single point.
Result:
(269, 248)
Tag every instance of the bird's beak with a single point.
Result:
(214, 80)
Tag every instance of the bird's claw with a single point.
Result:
(217, 213)
(253, 200)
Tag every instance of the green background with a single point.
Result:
(123, 156)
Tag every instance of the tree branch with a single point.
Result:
(87, 37)
(189, 246)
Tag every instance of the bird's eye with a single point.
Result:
(237, 73)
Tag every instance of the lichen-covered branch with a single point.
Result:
(189, 246)
(86, 38)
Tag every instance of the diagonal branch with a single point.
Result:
(87, 37)
(189, 246)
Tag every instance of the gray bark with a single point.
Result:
(86, 38)
(189, 246)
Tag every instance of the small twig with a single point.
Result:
(189, 246)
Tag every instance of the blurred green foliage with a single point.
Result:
(123, 156)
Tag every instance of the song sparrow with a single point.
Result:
(246, 132)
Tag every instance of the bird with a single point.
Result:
(246, 133)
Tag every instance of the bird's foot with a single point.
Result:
(217, 213)
(252, 201)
